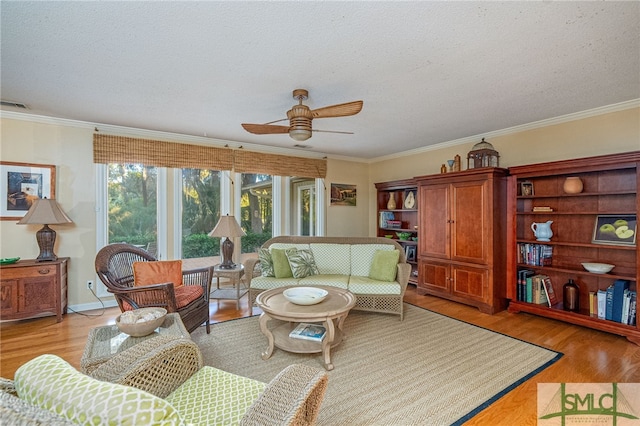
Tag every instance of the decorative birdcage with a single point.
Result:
(482, 155)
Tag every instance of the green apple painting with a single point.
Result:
(615, 230)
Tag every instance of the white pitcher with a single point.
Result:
(542, 231)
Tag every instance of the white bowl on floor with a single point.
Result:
(598, 268)
(305, 295)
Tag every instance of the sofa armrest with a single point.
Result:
(15, 411)
(404, 272)
(293, 397)
(251, 269)
(158, 365)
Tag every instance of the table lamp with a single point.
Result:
(45, 212)
(227, 227)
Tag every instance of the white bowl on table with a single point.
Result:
(141, 322)
(305, 295)
(598, 268)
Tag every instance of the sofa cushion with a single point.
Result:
(267, 283)
(266, 262)
(333, 280)
(49, 382)
(281, 268)
(185, 295)
(301, 262)
(384, 265)
(215, 397)
(161, 271)
(366, 285)
(362, 257)
(332, 258)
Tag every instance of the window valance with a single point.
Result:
(122, 149)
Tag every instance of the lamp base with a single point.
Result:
(227, 254)
(46, 238)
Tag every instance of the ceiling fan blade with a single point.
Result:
(340, 110)
(332, 131)
(265, 129)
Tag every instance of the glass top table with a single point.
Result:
(104, 342)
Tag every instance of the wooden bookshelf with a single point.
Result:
(610, 184)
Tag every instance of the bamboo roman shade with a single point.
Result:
(278, 165)
(122, 149)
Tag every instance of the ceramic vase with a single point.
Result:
(572, 185)
(391, 205)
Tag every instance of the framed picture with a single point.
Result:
(410, 253)
(409, 198)
(20, 184)
(619, 230)
(526, 189)
(343, 194)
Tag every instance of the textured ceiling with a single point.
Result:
(428, 72)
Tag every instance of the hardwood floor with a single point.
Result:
(589, 355)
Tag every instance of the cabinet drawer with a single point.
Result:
(29, 272)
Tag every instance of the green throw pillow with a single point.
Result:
(301, 262)
(281, 268)
(266, 262)
(384, 265)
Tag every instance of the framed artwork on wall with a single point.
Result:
(20, 184)
(343, 194)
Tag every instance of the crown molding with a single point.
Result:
(156, 134)
(634, 103)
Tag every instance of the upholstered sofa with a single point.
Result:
(136, 388)
(372, 268)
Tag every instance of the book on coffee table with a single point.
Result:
(306, 331)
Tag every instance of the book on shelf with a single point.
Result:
(624, 316)
(307, 331)
(552, 299)
(593, 303)
(608, 312)
(619, 287)
(522, 284)
(538, 294)
(632, 308)
(542, 209)
(535, 254)
(602, 303)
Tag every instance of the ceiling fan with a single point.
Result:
(300, 117)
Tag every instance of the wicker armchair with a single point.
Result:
(114, 266)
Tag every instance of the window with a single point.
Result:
(132, 205)
(304, 206)
(256, 210)
(201, 199)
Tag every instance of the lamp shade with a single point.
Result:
(45, 211)
(227, 227)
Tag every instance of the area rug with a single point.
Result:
(426, 370)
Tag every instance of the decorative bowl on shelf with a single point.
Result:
(598, 268)
(404, 236)
(305, 295)
(389, 236)
(141, 322)
(8, 260)
(414, 238)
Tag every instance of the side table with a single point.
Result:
(235, 277)
(104, 342)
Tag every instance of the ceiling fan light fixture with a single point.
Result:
(300, 134)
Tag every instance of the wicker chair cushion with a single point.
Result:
(332, 258)
(362, 257)
(184, 295)
(384, 265)
(162, 271)
(366, 285)
(281, 268)
(266, 263)
(215, 397)
(49, 382)
(301, 262)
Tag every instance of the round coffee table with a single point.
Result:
(331, 312)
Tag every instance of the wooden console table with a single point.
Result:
(30, 289)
